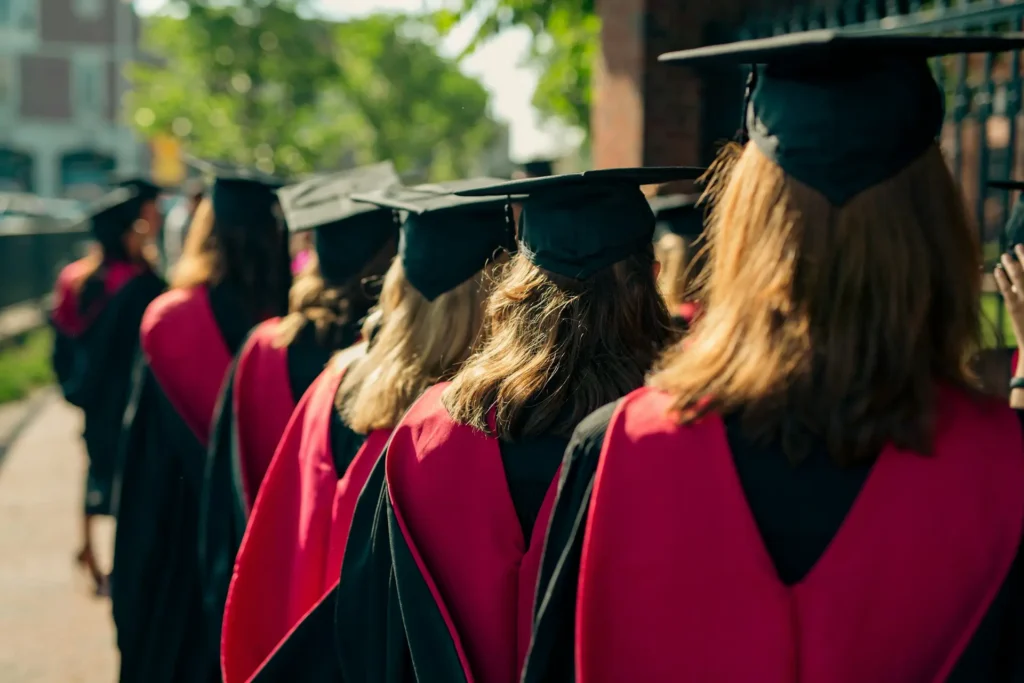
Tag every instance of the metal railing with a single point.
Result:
(33, 249)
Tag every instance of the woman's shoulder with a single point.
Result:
(72, 271)
(174, 311)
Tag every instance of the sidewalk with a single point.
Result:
(51, 628)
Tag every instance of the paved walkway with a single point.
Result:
(51, 628)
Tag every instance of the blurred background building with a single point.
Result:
(61, 85)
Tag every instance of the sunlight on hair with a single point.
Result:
(831, 322)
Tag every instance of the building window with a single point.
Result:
(88, 89)
(16, 170)
(89, 9)
(85, 175)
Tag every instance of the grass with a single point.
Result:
(25, 366)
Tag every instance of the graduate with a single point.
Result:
(814, 489)
(97, 309)
(454, 531)
(678, 248)
(281, 357)
(232, 275)
(431, 308)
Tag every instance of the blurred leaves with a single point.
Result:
(566, 38)
(259, 83)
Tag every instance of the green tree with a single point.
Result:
(566, 39)
(260, 83)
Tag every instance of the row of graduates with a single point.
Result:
(515, 471)
(218, 378)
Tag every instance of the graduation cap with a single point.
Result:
(578, 224)
(842, 111)
(113, 214)
(538, 168)
(240, 195)
(446, 239)
(147, 190)
(347, 232)
(678, 214)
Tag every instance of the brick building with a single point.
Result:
(61, 65)
(648, 113)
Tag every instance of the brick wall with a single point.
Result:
(650, 113)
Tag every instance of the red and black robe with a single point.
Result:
(259, 395)
(919, 556)
(437, 580)
(189, 337)
(291, 553)
(96, 335)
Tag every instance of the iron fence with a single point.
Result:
(32, 252)
(982, 138)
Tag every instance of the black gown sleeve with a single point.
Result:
(345, 637)
(155, 589)
(86, 365)
(550, 658)
(222, 510)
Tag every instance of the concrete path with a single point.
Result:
(52, 630)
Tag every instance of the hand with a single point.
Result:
(1009, 275)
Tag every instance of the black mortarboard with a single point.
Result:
(678, 214)
(538, 168)
(842, 111)
(240, 196)
(348, 233)
(578, 224)
(111, 215)
(446, 239)
(145, 188)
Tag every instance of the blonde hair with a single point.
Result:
(331, 308)
(419, 343)
(827, 322)
(557, 348)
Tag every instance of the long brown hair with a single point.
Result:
(332, 308)
(831, 323)
(419, 343)
(249, 257)
(558, 348)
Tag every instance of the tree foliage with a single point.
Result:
(260, 83)
(566, 35)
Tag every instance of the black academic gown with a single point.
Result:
(363, 631)
(94, 371)
(155, 588)
(223, 507)
(779, 501)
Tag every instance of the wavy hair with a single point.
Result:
(831, 324)
(331, 308)
(418, 344)
(558, 348)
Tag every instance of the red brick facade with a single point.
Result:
(650, 113)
